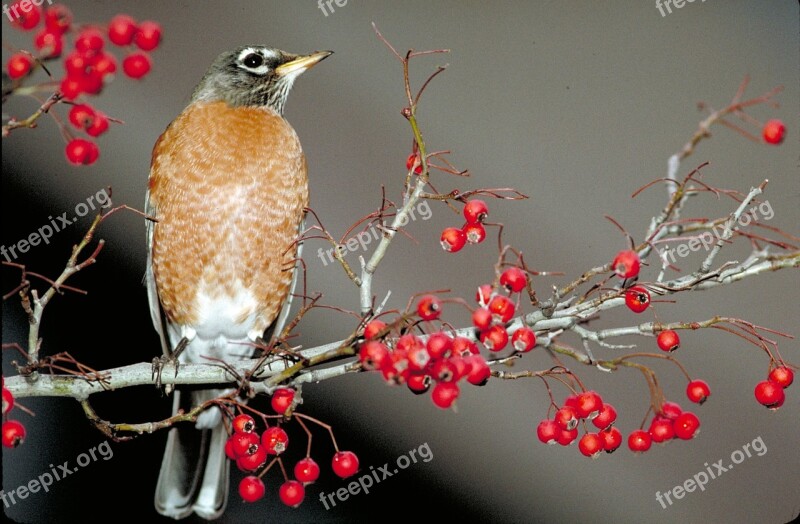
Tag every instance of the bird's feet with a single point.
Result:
(159, 363)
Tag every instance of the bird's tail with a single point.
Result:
(195, 472)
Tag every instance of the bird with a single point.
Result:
(226, 199)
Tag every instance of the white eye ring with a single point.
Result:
(265, 54)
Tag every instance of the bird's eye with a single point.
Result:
(253, 60)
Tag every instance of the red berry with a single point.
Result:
(590, 444)
(668, 340)
(440, 345)
(105, 64)
(637, 298)
(476, 211)
(8, 401)
(502, 308)
(523, 339)
(443, 370)
(252, 461)
(445, 394)
(774, 132)
(275, 440)
(136, 65)
(612, 439)
(282, 400)
(76, 64)
(782, 376)
(661, 429)
(373, 354)
(481, 318)
(19, 65)
(49, 43)
(626, 264)
(770, 394)
(229, 452)
(148, 36)
(572, 401)
(26, 14)
(345, 464)
(566, 418)
(121, 30)
(251, 489)
(606, 417)
(98, 126)
(244, 443)
(670, 410)
(243, 423)
(292, 493)
(395, 370)
(698, 391)
(89, 41)
(13, 433)
(463, 346)
(373, 327)
(474, 233)
(453, 239)
(82, 152)
(306, 470)
(686, 425)
(514, 279)
(484, 295)
(567, 436)
(548, 431)
(639, 441)
(589, 404)
(58, 18)
(479, 372)
(418, 358)
(429, 307)
(71, 87)
(495, 338)
(419, 384)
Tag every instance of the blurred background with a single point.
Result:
(576, 104)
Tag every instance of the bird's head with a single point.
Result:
(255, 76)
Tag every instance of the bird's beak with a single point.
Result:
(301, 63)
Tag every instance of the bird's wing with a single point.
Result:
(274, 330)
(156, 314)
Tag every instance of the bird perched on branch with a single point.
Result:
(227, 189)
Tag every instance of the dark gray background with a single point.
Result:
(574, 103)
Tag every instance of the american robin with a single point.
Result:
(228, 188)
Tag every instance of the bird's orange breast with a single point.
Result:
(228, 187)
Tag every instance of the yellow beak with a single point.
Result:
(302, 63)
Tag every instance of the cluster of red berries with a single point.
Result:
(472, 232)
(563, 427)
(774, 132)
(671, 422)
(250, 451)
(13, 431)
(88, 67)
(407, 359)
(770, 392)
(495, 310)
